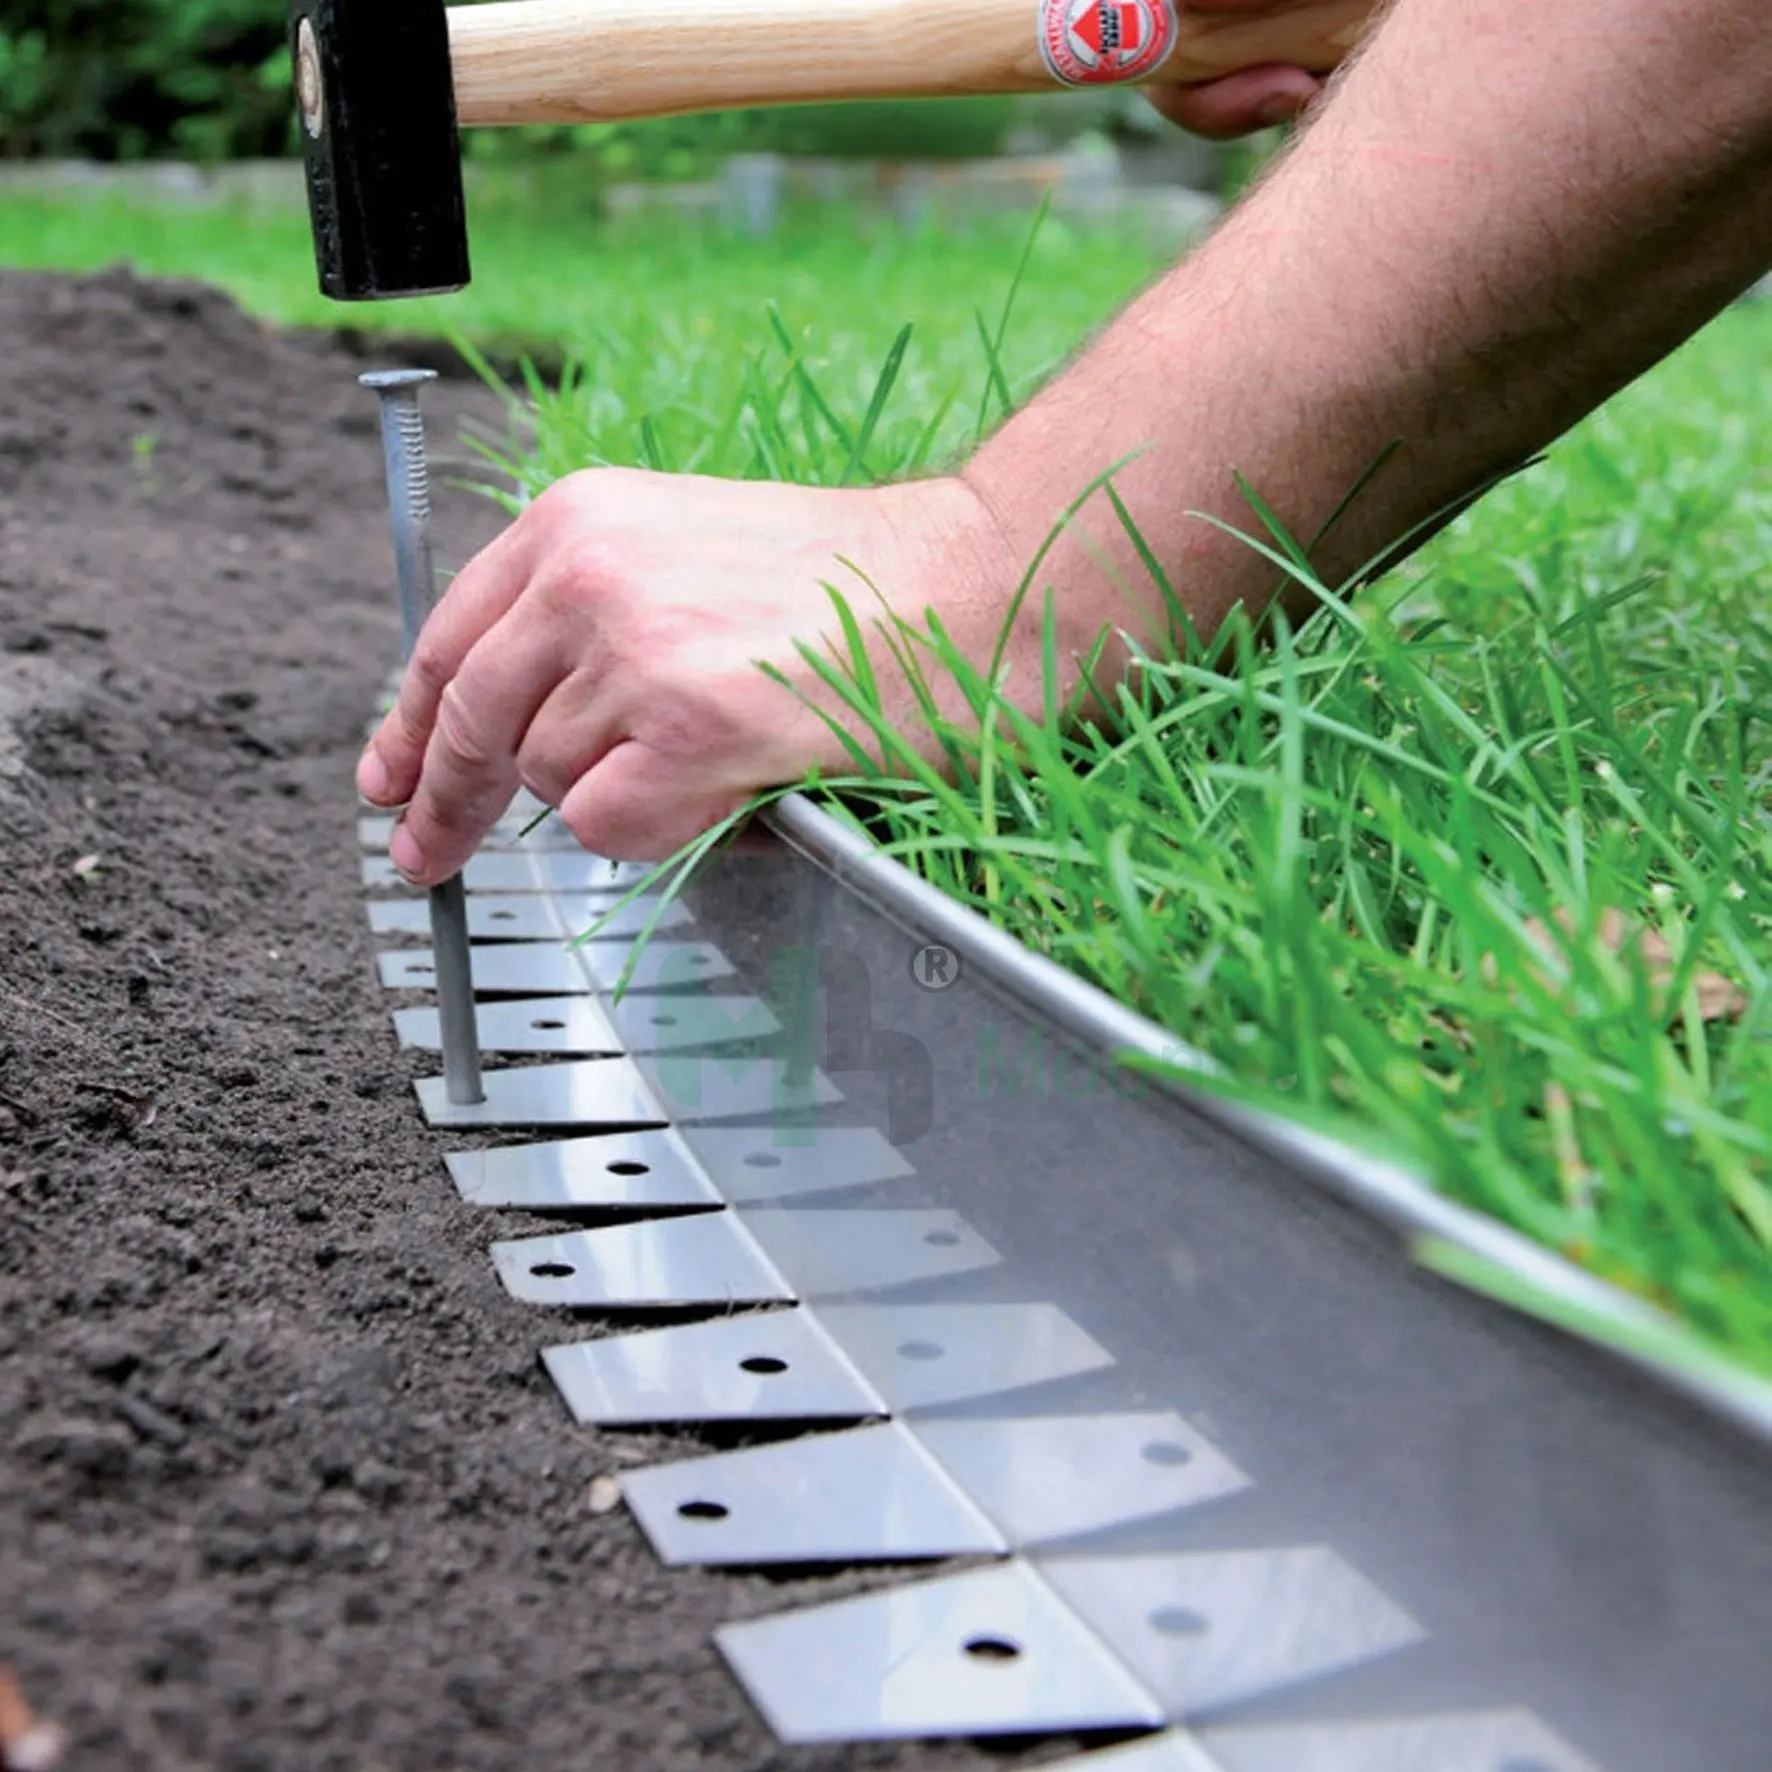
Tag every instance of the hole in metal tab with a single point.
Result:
(1179, 1621)
(698, 959)
(762, 1160)
(664, 1021)
(421, 968)
(763, 1363)
(704, 1510)
(629, 1168)
(920, 1350)
(553, 1270)
(1165, 1452)
(548, 1026)
(502, 917)
(943, 1239)
(992, 1648)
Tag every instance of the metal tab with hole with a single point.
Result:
(985, 1653)
(584, 1027)
(525, 969)
(1052, 1477)
(1212, 1628)
(920, 1355)
(694, 1086)
(787, 1161)
(706, 1259)
(546, 969)
(767, 1366)
(660, 965)
(871, 1494)
(1472, 1741)
(521, 871)
(830, 1253)
(516, 1026)
(591, 1094)
(615, 1171)
(531, 916)
(668, 1024)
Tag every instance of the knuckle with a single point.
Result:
(428, 670)
(461, 733)
(578, 498)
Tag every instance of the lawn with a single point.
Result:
(1476, 869)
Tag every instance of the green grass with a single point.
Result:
(1374, 867)
(658, 294)
(1366, 866)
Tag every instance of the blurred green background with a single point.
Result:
(208, 80)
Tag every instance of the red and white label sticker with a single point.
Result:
(1101, 42)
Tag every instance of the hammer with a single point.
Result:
(384, 85)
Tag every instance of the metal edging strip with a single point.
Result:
(1396, 1195)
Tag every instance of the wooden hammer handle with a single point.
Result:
(598, 61)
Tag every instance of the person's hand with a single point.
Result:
(1238, 104)
(604, 651)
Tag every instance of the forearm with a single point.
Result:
(1507, 210)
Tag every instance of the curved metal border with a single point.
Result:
(1397, 1196)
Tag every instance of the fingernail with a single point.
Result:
(405, 852)
(373, 781)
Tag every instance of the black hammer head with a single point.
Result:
(378, 126)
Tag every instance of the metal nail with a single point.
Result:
(409, 514)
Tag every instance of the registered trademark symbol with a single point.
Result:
(935, 967)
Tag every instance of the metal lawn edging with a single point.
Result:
(1393, 1194)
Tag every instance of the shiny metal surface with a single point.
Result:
(988, 1652)
(662, 965)
(545, 968)
(659, 1024)
(748, 1164)
(523, 870)
(524, 969)
(591, 1093)
(529, 916)
(581, 913)
(828, 1254)
(1067, 1004)
(1211, 1628)
(767, 1366)
(866, 1495)
(715, 1087)
(585, 1027)
(1052, 1477)
(919, 1355)
(1476, 1741)
(615, 1170)
(547, 870)
(515, 1026)
(706, 1259)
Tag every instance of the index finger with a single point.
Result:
(483, 592)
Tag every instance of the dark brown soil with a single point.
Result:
(281, 1483)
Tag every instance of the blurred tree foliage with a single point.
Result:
(209, 80)
(125, 79)
(685, 147)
